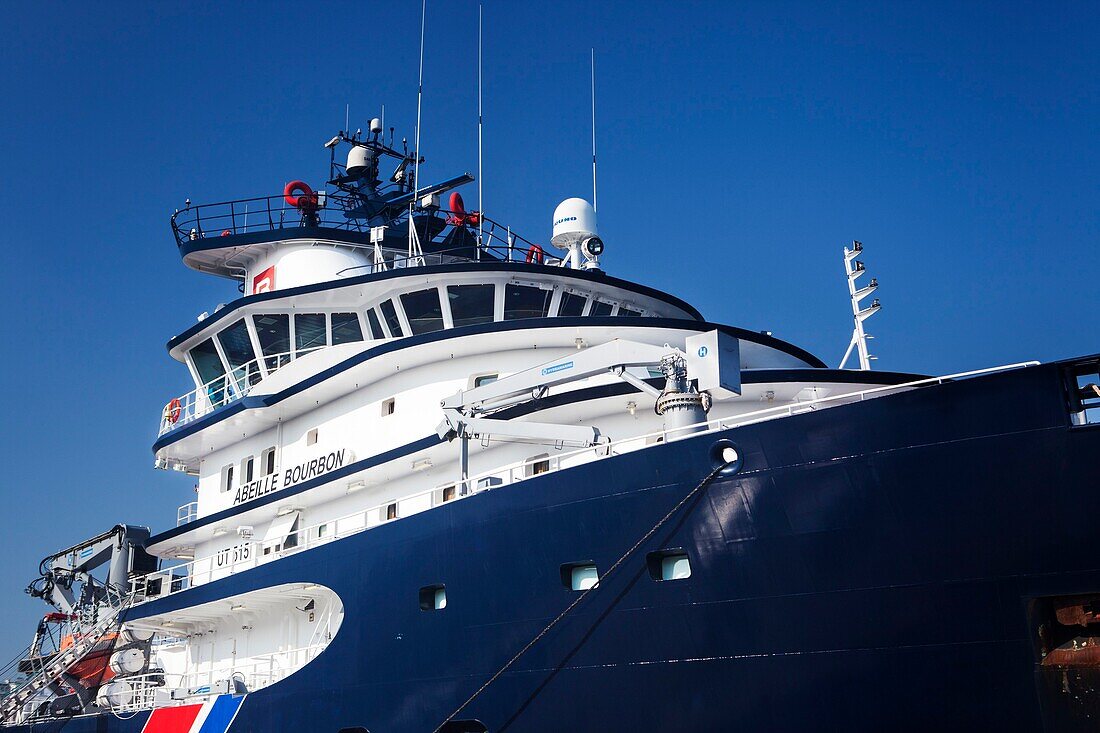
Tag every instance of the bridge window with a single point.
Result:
(211, 371)
(375, 325)
(237, 347)
(273, 332)
(628, 312)
(346, 328)
(525, 301)
(572, 304)
(423, 311)
(600, 308)
(390, 314)
(471, 304)
(310, 331)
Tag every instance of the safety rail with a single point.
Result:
(154, 689)
(224, 389)
(332, 211)
(187, 513)
(247, 555)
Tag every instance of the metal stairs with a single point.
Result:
(108, 621)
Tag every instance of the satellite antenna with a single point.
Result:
(855, 269)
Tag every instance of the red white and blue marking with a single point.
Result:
(210, 717)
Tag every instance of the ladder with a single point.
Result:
(108, 621)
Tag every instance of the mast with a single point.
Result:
(855, 269)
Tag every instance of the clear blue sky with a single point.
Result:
(741, 146)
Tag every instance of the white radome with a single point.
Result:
(574, 221)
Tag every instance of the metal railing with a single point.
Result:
(247, 555)
(341, 211)
(189, 512)
(224, 389)
(154, 689)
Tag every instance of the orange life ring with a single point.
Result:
(535, 254)
(226, 233)
(299, 195)
(172, 411)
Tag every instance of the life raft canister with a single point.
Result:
(535, 254)
(172, 411)
(299, 195)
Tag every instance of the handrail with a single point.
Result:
(224, 389)
(247, 555)
(272, 213)
(262, 670)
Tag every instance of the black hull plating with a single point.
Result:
(873, 566)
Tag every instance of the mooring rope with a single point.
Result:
(584, 594)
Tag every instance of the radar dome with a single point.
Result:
(359, 160)
(574, 221)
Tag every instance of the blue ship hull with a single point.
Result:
(873, 566)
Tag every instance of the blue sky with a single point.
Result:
(741, 146)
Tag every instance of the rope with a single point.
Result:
(645, 538)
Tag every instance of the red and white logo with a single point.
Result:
(264, 282)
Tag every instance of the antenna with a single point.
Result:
(480, 204)
(347, 117)
(416, 163)
(593, 129)
(855, 269)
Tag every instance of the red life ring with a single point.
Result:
(172, 411)
(306, 201)
(226, 233)
(535, 254)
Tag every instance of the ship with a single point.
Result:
(453, 479)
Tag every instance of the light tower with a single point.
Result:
(854, 269)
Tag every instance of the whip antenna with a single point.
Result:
(416, 163)
(593, 129)
(480, 204)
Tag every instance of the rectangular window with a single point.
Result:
(471, 304)
(311, 437)
(600, 308)
(628, 312)
(390, 314)
(346, 328)
(423, 311)
(267, 461)
(388, 406)
(482, 380)
(227, 478)
(536, 465)
(433, 598)
(248, 466)
(448, 493)
(273, 332)
(310, 331)
(572, 305)
(391, 511)
(525, 301)
(668, 565)
(237, 347)
(375, 325)
(579, 575)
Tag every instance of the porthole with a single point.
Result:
(727, 457)
(668, 565)
(433, 597)
(579, 575)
